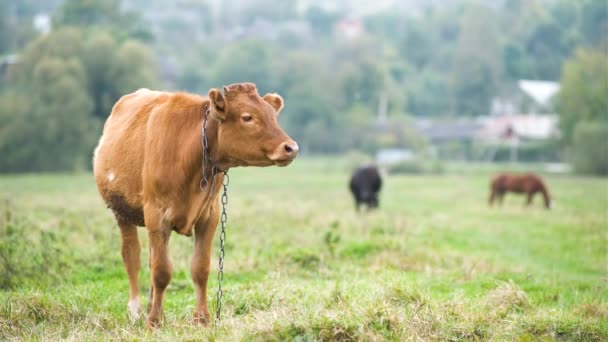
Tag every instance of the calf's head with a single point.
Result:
(249, 134)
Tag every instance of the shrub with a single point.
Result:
(589, 152)
(29, 255)
(306, 258)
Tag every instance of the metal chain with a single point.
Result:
(204, 181)
(224, 216)
(223, 219)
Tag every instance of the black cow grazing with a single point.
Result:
(365, 184)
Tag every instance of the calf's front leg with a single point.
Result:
(201, 262)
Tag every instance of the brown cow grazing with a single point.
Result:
(528, 183)
(149, 170)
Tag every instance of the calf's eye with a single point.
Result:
(246, 117)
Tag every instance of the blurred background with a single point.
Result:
(461, 88)
(411, 83)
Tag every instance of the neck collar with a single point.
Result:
(215, 170)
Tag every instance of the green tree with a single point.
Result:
(322, 22)
(59, 93)
(476, 67)
(546, 48)
(88, 12)
(16, 29)
(15, 131)
(584, 86)
(594, 22)
(112, 69)
(55, 131)
(267, 9)
(98, 57)
(307, 103)
(244, 13)
(514, 61)
(245, 61)
(63, 109)
(417, 44)
(132, 68)
(102, 13)
(519, 17)
(427, 94)
(361, 82)
(589, 152)
(5, 41)
(62, 44)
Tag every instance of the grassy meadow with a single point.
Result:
(434, 263)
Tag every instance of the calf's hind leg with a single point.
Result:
(131, 251)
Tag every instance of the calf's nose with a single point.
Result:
(290, 149)
(285, 151)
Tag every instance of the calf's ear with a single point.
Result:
(218, 101)
(275, 100)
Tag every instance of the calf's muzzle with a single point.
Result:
(285, 153)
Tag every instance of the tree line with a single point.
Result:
(445, 61)
(54, 100)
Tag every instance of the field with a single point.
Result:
(434, 263)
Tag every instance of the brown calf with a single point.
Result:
(527, 183)
(148, 167)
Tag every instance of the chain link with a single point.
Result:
(204, 181)
(224, 216)
(223, 219)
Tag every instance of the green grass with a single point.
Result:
(434, 263)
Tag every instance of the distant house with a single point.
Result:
(502, 137)
(541, 92)
(528, 97)
(516, 122)
(464, 138)
(496, 129)
(492, 129)
(533, 120)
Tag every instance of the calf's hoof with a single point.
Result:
(201, 318)
(134, 308)
(153, 321)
